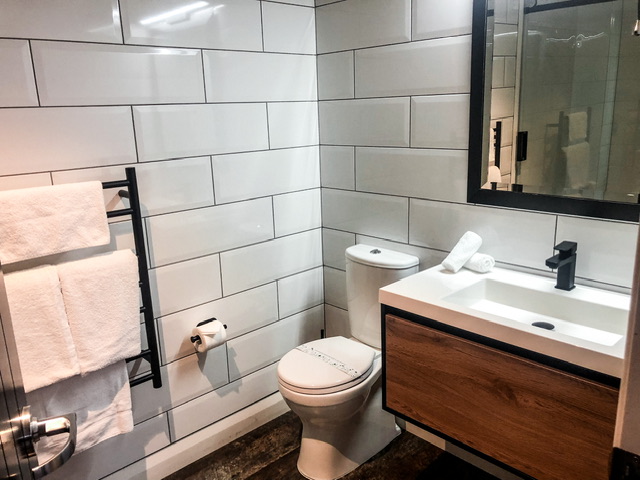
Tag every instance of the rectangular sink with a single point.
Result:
(593, 319)
(589, 324)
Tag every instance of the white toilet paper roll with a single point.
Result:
(210, 335)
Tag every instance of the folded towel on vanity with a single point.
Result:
(102, 300)
(43, 338)
(463, 250)
(45, 220)
(578, 159)
(578, 126)
(480, 262)
(101, 401)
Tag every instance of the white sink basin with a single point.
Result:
(589, 324)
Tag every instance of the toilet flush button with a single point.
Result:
(375, 251)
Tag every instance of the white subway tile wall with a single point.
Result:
(215, 104)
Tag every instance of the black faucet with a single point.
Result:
(565, 262)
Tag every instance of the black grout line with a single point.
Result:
(35, 77)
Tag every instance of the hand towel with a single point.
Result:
(480, 262)
(102, 299)
(45, 220)
(463, 250)
(43, 337)
(101, 401)
(578, 126)
(578, 160)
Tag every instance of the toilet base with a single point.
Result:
(330, 451)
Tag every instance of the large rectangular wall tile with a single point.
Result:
(250, 175)
(164, 187)
(337, 167)
(95, 21)
(222, 402)
(334, 244)
(17, 83)
(419, 68)
(293, 124)
(516, 237)
(204, 231)
(256, 265)
(92, 74)
(263, 347)
(377, 215)
(362, 23)
(440, 121)
(335, 76)
(300, 292)
(172, 131)
(15, 182)
(297, 212)
(116, 452)
(42, 139)
(336, 322)
(185, 284)
(241, 313)
(259, 77)
(432, 174)
(335, 286)
(288, 28)
(184, 23)
(196, 374)
(597, 259)
(380, 122)
(441, 19)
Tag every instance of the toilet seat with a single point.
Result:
(325, 366)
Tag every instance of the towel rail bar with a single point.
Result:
(150, 354)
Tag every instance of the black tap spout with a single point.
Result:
(565, 263)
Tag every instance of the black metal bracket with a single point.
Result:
(624, 465)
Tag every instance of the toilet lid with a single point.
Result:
(325, 366)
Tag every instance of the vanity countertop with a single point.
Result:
(590, 323)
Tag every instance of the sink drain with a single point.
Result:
(545, 325)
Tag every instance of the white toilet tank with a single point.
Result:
(369, 269)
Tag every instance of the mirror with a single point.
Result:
(555, 106)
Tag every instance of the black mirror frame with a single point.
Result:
(526, 201)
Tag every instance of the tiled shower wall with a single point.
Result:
(393, 80)
(215, 103)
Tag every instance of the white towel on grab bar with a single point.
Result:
(101, 401)
(42, 221)
(43, 338)
(102, 299)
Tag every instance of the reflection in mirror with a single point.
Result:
(561, 106)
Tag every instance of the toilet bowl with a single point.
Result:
(334, 384)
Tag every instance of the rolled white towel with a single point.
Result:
(464, 249)
(480, 262)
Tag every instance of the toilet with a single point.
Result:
(334, 385)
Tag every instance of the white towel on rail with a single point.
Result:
(45, 347)
(578, 161)
(102, 299)
(101, 401)
(578, 126)
(42, 221)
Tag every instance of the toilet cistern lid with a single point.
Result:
(380, 257)
(326, 365)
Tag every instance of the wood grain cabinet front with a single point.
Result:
(546, 423)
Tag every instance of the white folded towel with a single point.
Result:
(102, 299)
(578, 160)
(480, 262)
(101, 401)
(578, 126)
(45, 220)
(43, 338)
(464, 249)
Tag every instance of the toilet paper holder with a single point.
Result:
(196, 338)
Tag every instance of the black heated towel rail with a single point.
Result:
(150, 354)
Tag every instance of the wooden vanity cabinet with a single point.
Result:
(541, 421)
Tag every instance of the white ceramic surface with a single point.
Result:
(337, 167)
(441, 19)
(334, 243)
(335, 76)
(436, 121)
(380, 122)
(258, 174)
(288, 28)
(293, 124)
(502, 304)
(17, 83)
(418, 68)
(300, 292)
(297, 212)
